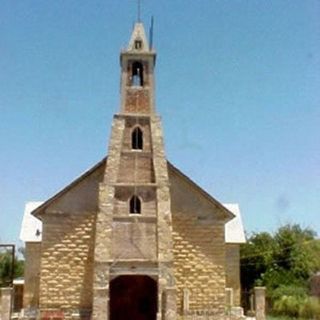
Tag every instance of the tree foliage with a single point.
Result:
(283, 262)
(290, 256)
(6, 268)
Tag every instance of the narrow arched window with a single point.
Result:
(137, 139)
(138, 44)
(135, 205)
(137, 74)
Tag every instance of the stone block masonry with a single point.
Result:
(199, 264)
(233, 271)
(31, 275)
(67, 261)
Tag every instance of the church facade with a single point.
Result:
(133, 237)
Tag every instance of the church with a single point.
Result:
(132, 237)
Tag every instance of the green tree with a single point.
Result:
(290, 256)
(282, 262)
(253, 263)
(295, 259)
(6, 268)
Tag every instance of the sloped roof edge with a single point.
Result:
(228, 215)
(38, 211)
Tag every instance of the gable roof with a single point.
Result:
(226, 211)
(31, 223)
(39, 210)
(226, 214)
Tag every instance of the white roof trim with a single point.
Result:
(31, 228)
(234, 231)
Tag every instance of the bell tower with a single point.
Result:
(133, 257)
(137, 74)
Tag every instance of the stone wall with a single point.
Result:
(122, 198)
(134, 240)
(32, 275)
(199, 248)
(67, 261)
(130, 125)
(137, 100)
(136, 167)
(199, 254)
(233, 271)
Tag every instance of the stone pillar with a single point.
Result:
(101, 292)
(6, 302)
(164, 223)
(103, 256)
(170, 304)
(260, 302)
(167, 298)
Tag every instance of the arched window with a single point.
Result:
(135, 205)
(138, 44)
(137, 139)
(137, 74)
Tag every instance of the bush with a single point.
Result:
(287, 300)
(296, 304)
(289, 290)
(310, 309)
(288, 305)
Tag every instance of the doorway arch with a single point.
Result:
(133, 297)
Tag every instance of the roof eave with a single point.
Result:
(38, 212)
(228, 215)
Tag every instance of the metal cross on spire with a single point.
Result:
(139, 10)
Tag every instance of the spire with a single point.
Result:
(138, 40)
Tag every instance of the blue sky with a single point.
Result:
(238, 89)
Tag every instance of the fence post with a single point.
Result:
(260, 302)
(6, 303)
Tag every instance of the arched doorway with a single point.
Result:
(134, 298)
